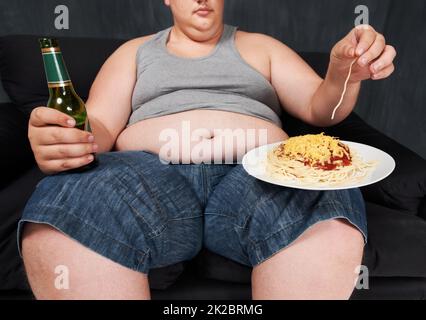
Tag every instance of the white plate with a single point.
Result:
(254, 163)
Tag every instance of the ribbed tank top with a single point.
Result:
(167, 84)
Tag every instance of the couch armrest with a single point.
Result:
(17, 157)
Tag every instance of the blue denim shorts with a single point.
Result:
(144, 215)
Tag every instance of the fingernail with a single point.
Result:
(360, 51)
(95, 147)
(364, 61)
(91, 138)
(71, 122)
(90, 158)
(352, 52)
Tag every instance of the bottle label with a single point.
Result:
(56, 71)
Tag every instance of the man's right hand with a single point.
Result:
(57, 145)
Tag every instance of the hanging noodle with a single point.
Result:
(344, 90)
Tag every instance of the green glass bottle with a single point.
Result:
(62, 95)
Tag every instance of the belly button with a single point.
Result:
(208, 135)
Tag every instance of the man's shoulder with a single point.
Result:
(134, 44)
(260, 41)
(253, 37)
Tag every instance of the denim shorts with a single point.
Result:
(143, 214)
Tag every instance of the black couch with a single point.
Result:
(395, 254)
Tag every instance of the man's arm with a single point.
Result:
(328, 95)
(312, 99)
(59, 146)
(109, 103)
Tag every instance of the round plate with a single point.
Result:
(254, 163)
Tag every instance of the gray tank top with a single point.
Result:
(168, 84)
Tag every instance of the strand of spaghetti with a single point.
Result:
(344, 90)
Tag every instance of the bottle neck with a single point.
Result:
(56, 71)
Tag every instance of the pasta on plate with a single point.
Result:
(317, 160)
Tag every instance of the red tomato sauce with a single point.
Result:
(335, 162)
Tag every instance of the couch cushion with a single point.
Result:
(163, 278)
(397, 243)
(22, 72)
(18, 156)
(12, 202)
(213, 266)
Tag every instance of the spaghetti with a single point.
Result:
(316, 160)
(344, 90)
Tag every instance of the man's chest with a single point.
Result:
(254, 54)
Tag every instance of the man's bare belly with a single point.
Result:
(200, 136)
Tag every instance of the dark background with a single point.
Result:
(396, 106)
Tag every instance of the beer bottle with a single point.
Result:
(62, 95)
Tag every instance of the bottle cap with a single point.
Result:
(48, 43)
